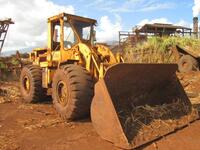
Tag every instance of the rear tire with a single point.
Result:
(31, 84)
(187, 64)
(72, 92)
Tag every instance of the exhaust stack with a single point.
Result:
(195, 26)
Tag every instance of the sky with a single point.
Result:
(30, 16)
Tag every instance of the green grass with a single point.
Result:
(5, 61)
(157, 49)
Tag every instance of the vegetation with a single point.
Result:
(158, 49)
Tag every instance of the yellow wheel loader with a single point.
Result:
(84, 77)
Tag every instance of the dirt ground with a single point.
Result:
(38, 127)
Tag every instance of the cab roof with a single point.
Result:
(70, 16)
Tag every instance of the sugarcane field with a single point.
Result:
(124, 75)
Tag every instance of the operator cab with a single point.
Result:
(68, 30)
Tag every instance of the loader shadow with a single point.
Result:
(49, 101)
(46, 101)
(84, 120)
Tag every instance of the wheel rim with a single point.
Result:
(26, 83)
(62, 93)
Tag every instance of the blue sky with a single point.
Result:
(133, 11)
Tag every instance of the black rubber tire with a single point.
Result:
(36, 92)
(191, 64)
(80, 91)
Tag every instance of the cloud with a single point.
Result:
(158, 20)
(143, 6)
(102, 3)
(196, 8)
(183, 23)
(164, 21)
(107, 30)
(127, 6)
(157, 6)
(30, 16)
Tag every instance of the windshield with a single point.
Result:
(69, 36)
(84, 29)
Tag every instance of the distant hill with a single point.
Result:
(111, 44)
(13, 52)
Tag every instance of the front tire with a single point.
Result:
(31, 84)
(72, 92)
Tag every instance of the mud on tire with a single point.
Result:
(31, 84)
(72, 92)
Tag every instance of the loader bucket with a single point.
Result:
(137, 103)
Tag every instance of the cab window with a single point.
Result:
(56, 35)
(83, 29)
(70, 38)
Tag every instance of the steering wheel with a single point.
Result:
(68, 44)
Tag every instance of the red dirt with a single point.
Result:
(38, 127)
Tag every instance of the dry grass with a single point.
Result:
(157, 50)
(8, 92)
(152, 121)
